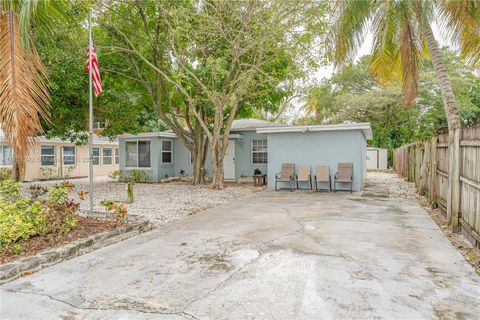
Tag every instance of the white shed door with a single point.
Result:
(229, 161)
(372, 159)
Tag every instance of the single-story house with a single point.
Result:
(253, 144)
(56, 158)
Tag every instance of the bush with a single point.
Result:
(20, 218)
(61, 210)
(5, 173)
(134, 176)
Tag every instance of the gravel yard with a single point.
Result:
(161, 203)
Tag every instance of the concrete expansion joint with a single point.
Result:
(179, 313)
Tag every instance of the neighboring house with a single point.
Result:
(253, 144)
(52, 158)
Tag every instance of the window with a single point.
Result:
(99, 125)
(6, 156)
(137, 154)
(166, 151)
(47, 155)
(117, 156)
(69, 156)
(96, 156)
(259, 151)
(107, 156)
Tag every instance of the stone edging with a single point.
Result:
(15, 269)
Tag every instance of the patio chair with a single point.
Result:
(304, 175)
(323, 175)
(286, 175)
(344, 175)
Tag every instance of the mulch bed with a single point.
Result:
(85, 227)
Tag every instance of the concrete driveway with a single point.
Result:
(267, 256)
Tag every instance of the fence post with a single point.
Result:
(453, 195)
(425, 163)
(433, 172)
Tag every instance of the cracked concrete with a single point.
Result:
(271, 255)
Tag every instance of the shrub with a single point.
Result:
(20, 218)
(5, 173)
(61, 209)
(37, 191)
(134, 176)
(119, 209)
(117, 175)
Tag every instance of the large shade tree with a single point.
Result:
(24, 94)
(402, 32)
(202, 63)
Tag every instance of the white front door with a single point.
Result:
(229, 161)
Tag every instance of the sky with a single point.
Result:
(327, 71)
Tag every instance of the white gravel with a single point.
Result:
(161, 203)
(396, 186)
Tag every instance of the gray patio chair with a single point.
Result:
(304, 175)
(286, 175)
(322, 174)
(344, 175)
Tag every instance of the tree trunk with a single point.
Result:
(130, 191)
(453, 119)
(18, 169)
(199, 157)
(217, 155)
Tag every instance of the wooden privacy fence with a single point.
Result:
(427, 164)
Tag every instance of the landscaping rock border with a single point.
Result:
(13, 270)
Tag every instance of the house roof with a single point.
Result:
(162, 134)
(253, 124)
(365, 127)
(96, 139)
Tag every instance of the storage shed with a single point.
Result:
(377, 158)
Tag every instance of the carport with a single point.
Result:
(319, 145)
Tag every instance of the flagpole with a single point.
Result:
(90, 130)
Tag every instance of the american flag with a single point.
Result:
(97, 82)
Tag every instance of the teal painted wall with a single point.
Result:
(153, 171)
(318, 148)
(243, 157)
(314, 148)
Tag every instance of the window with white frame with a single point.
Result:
(107, 156)
(259, 152)
(137, 154)
(6, 155)
(69, 155)
(96, 156)
(117, 156)
(166, 151)
(99, 125)
(47, 156)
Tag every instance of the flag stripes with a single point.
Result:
(97, 82)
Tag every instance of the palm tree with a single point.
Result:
(24, 94)
(402, 33)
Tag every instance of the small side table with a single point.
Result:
(259, 180)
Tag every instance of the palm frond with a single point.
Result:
(385, 60)
(24, 96)
(349, 28)
(463, 20)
